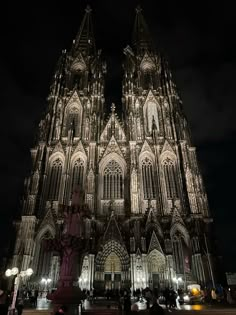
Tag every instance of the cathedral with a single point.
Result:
(137, 173)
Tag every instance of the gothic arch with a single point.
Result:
(151, 109)
(112, 156)
(180, 229)
(181, 248)
(77, 155)
(55, 170)
(156, 261)
(170, 174)
(168, 154)
(42, 257)
(147, 153)
(112, 170)
(116, 248)
(48, 228)
(56, 155)
(148, 73)
(78, 169)
(154, 226)
(147, 65)
(148, 178)
(73, 115)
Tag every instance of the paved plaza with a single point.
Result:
(104, 307)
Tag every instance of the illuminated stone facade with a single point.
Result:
(139, 174)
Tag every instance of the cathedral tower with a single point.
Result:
(139, 176)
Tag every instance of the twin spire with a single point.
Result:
(85, 40)
(141, 36)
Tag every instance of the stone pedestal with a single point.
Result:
(68, 296)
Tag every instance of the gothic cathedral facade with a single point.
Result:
(149, 220)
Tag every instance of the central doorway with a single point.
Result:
(112, 272)
(156, 268)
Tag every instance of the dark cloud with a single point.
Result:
(198, 40)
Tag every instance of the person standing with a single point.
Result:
(213, 296)
(20, 306)
(127, 303)
(91, 295)
(166, 295)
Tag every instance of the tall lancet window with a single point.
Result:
(73, 120)
(54, 180)
(113, 181)
(178, 254)
(170, 178)
(78, 173)
(147, 169)
(151, 115)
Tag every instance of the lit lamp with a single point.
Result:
(46, 281)
(15, 272)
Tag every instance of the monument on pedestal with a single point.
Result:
(70, 245)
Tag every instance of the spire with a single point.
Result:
(141, 35)
(85, 39)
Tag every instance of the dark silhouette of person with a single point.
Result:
(20, 306)
(166, 295)
(127, 303)
(156, 309)
(3, 302)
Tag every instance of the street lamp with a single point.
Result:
(177, 281)
(46, 281)
(15, 272)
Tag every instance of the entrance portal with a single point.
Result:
(156, 268)
(112, 272)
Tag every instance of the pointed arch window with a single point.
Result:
(90, 182)
(113, 181)
(149, 190)
(170, 176)
(44, 257)
(152, 114)
(78, 173)
(73, 121)
(55, 180)
(147, 79)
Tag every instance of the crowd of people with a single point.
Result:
(168, 297)
(23, 295)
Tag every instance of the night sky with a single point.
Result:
(198, 41)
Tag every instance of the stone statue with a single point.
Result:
(68, 265)
(72, 223)
(73, 216)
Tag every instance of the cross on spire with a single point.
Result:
(141, 35)
(84, 40)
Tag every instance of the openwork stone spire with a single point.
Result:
(141, 36)
(85, 41)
